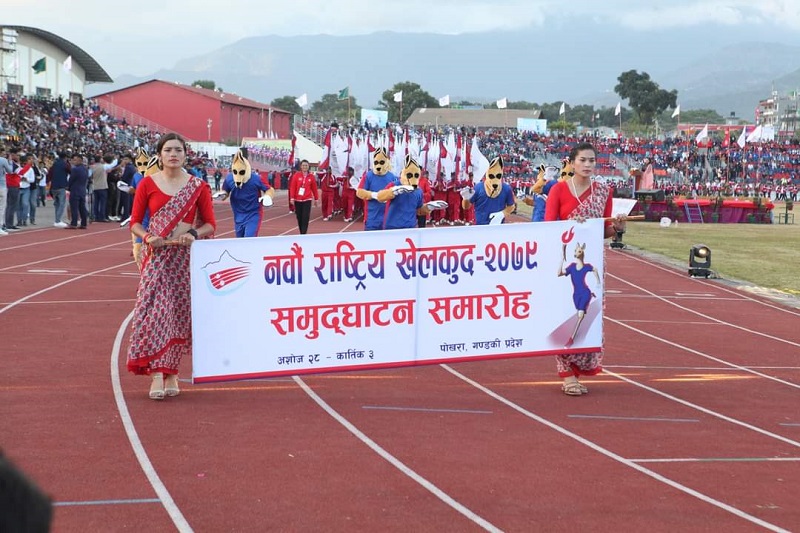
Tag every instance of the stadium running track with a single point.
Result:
(695, 426)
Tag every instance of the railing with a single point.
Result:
(120, 113)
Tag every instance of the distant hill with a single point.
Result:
(536, 65)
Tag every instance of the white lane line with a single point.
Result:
(719, 460)
(57, 285)
(58, 302)
(54, 257)
(704, 410)
(689, 310)
(696, 294)
(716, 286)
(661, 322)
(705, 355)
(425, 409)
(138, 449)
(106, 502)
(391, 459)
(608, 453)
(46, 271)
(59, 240)
(634, 418)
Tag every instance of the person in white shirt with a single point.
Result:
(24, 208)
(5, 168)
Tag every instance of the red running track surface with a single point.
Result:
(695, 426)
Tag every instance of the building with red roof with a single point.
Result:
(195, 113)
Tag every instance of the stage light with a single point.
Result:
(700, 261)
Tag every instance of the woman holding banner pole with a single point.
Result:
(580, 198)
(181, 211)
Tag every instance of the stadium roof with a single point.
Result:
(476, 118)
(94, 72)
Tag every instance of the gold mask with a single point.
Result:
(240, 168)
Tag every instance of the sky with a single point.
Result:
(147, 35)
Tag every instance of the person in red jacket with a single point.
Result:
(348, 195)
(302, 192)
(329, 186)
(427, 195)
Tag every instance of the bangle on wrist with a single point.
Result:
(374, 195)
(146, 238)
(192, 232)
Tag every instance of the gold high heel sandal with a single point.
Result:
(171, 385)
(157, 386)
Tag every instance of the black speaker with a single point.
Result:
(654, 195)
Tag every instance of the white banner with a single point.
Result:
(273, 306)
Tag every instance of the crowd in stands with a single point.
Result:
(38, 130)
(680, 165)
(267, 157)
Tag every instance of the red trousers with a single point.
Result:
(348, 202)
(327, 202)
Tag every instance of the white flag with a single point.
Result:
(677, 111)
(68, 63)
(302, 100)
(398, 96)
(502, 104)
(444, 101)
(742, 140)
(563, 109)
(480, 164)
(755, 135)
(618, 109)
(703, 135)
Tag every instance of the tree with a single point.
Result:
(413, 97)
(287, 103)
(205, 84)
(329, 108)
(644, 95)
(514, 105)
(699, 116)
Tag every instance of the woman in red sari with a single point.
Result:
(181, 211)
(578, 198)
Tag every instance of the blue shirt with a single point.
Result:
(78, 180)
(540, 202)
(59, 173)
(244, 200)
(375, 210)
(485, 206)
(402, 210)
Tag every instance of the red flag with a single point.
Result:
(468, 163)
(291, 155)
(326, 151)
(727, 140)
(370, 146)
(391, 142)
(425, 149)
(458, 156)
(405, 140)
(442, 150)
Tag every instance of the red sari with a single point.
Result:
(162, 321)
(595, 202)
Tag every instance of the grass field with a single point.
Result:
(767, 255)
